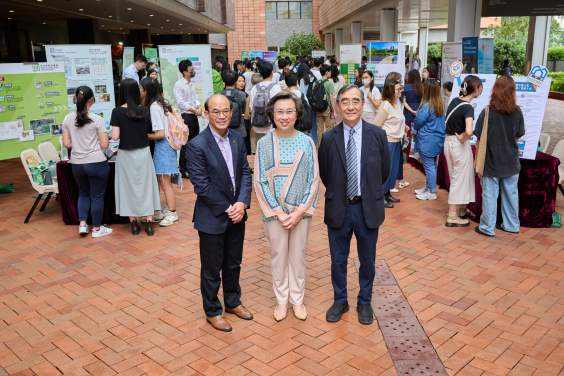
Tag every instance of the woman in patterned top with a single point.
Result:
(286, 183)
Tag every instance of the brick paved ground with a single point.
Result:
(131, 305)
(553, 123)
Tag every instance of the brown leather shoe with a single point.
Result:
(241, 312)
(219, 323)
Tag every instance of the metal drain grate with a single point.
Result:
(400, 327)
(391, 308)
(410, 348)
(387, 293)
(420, 368)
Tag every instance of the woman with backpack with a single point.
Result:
(136, 188)
(164, 159)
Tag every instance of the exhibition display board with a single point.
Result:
(200, 56)
(384, 58)
(88, 65)
(33, 105)
(532, 100)
(269, 56)
(315, 54)
(350, 56)
(127, 58)
(244, 55)
(452, 52)
(477, 55)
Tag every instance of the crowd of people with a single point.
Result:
(262, 110)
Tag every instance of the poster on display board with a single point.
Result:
(88, 65)
(350, 56)
(485, 55)
(470, 55)
(33, 101)
(200, 56)
(127, 58)
(452, 52)
(532, 100)
(255, 55)
(152, 56)
(269, 56)
(384, 58)
(315, 54)
(244, 55)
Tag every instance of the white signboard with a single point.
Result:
(532, 100)
(350, 53)
(384, 58)
(452, 52)
(87, 65)
(315, 54)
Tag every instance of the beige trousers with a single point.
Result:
(460, 161)
(287, 260)
(325, 121)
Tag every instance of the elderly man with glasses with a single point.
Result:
(354, 162)
(218, 167)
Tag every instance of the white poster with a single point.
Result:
(452, 52)
(200, 56)
(87, 65)
(127, 58)
(315, 54)
(384, 58)
(350, 53)
(532, 100)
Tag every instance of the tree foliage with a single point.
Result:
(555, 53)
(285, 54)
(513, 50)
(302, 44)
(434, 50)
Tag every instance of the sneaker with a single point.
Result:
(165, 211)
(157, 216)
(456, 221)
(170, 219)
(463, 212)
(427, 196)
(393, 190)
(421, 191)
(83, 229)
(103, 231)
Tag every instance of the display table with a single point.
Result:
(68, 196)
(538, 183)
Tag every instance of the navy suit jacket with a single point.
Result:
(212, 184)
(374, 170)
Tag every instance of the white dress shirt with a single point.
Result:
(185, 96)
(358, 143)
(273, 91)
(131, 72)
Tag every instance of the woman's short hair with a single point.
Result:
(502, 99)
(389, 91)
(285, 95)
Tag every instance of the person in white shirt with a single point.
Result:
(190, 107)
(131, 71)
(372, 95)
(291, 80)
(265, 69)
(317, 63)
(164, 160)
(248, 75)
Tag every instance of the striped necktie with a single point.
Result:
(352, 169)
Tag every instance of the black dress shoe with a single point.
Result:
(135, 227)
(479, 231)
(502, 229)
(149, 229)
(185, 174)
(336, 311)
(389, 198)
(365, 314)
(387, 204)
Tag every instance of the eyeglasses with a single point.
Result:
(355, 102)
(288, 112)
(216, 113)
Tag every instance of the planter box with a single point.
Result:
(556, 95)
(555, 65)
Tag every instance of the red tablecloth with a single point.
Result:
(538, 182)
(68, 196)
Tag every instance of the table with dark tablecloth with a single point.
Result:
(68, 196)
(538, 183)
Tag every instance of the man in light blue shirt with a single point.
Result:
(131, 71)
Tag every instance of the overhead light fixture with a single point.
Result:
(167, 20)
(120, 28)
(81, 10)
(128, 8)
(180, 24)
(103, 25)
(148, 24)
(131, 21)
(11, 11)
(110, 16)
(44, 23)
(120, 43)
(150, 15)
(172, 30)
(9, 18)
(161, 27)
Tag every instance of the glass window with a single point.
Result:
(270, 10)
(307, 9)
(282, 10)
(294, 9)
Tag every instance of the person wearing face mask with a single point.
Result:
(190, 107)
(372, 95)
(430, 72)
(287, 221)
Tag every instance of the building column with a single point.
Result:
(463, 19)
(356, 32)
(423, 44)
(328, 43)
(389, 25)
(338, 41)
(83, 31)
(537, 42)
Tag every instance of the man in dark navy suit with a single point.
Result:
(354, 162)
(217, 162)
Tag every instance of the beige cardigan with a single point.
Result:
(390, 118)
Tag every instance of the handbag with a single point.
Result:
(556, 220)
(481, 152)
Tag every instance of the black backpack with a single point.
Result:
(307, 122)
(319, 97)
(236, 116)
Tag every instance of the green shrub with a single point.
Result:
(435, 50)
(556, 74)
(557, 84)
(555, 53)
(286, 54)
(513, 50)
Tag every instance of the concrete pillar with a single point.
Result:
(83, 31)
(338, 41)
(537, 42)
(328, 44)
(389, 25)
(463, 19)
(356, 32)
(423, 43)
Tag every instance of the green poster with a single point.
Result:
(33, 96)
(347, 70)
(151, 55)
(244, 55)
